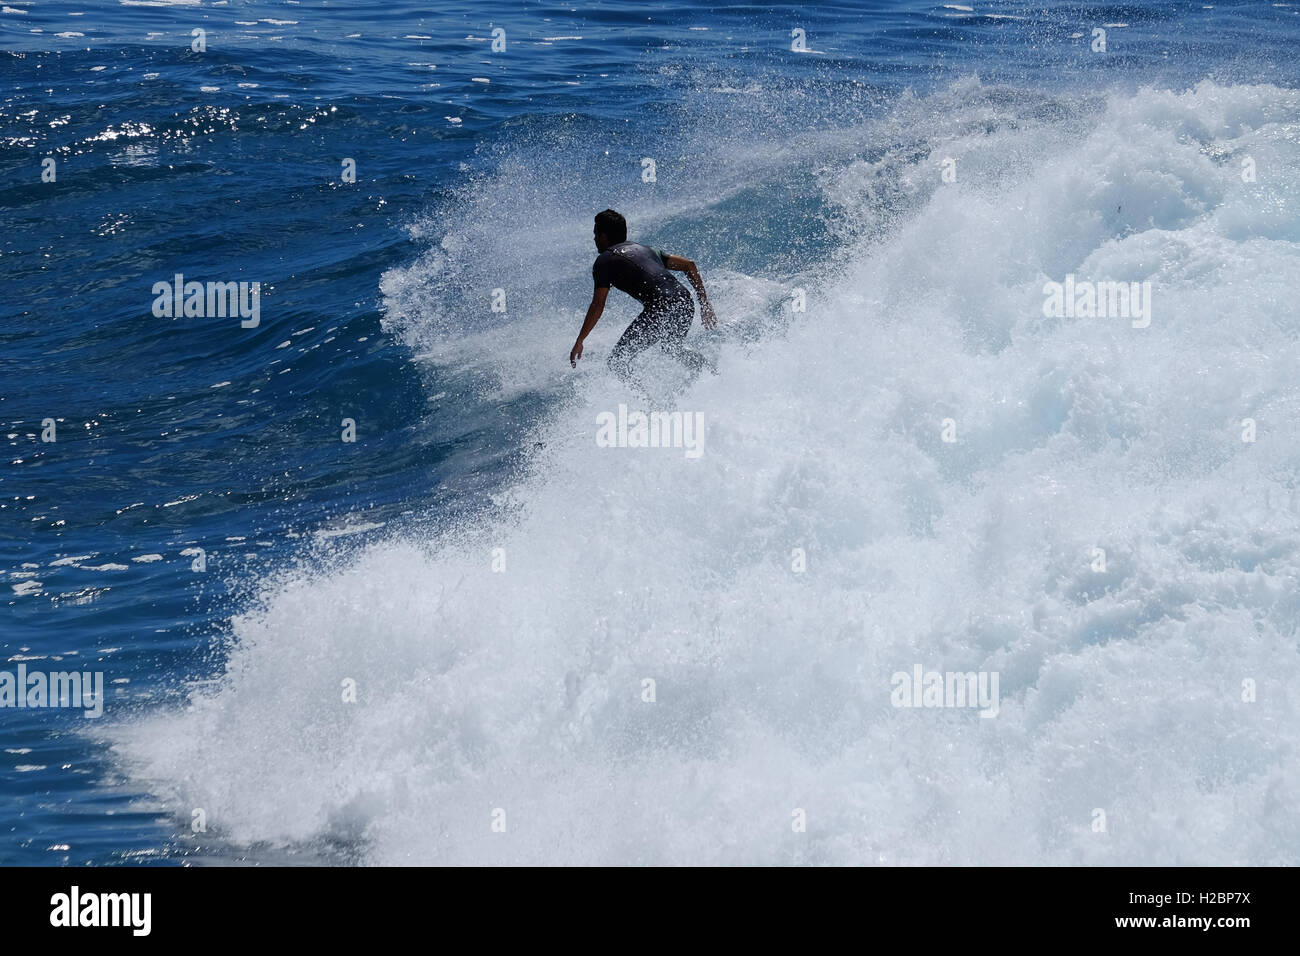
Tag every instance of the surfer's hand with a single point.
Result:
(707, 317)
(576, 353)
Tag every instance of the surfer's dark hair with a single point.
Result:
(612, 225)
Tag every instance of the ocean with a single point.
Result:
(364, 586)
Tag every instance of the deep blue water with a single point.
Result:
(174, 434)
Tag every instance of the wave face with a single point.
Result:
(513, 680)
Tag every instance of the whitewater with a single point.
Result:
(828, 536)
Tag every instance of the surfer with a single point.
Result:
(646, 275)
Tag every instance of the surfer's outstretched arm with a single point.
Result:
(682, 264)
(593, 316)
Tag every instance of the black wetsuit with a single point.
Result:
(667, 308)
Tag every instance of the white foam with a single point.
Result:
(1121, 691)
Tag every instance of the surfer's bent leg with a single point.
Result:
(676, 324)
(638, 336)
(665, 324)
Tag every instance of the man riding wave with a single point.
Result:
(646, 275)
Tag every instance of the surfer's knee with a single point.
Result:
(618, 364)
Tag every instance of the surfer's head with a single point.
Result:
(611, 228)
